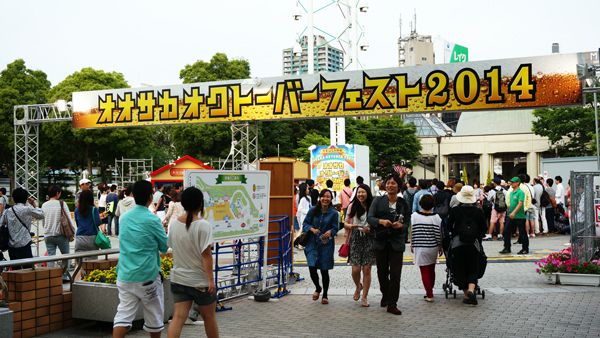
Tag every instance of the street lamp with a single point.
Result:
(588, 73)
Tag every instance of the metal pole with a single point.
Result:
(597, 138)
(439, 141)
(310, 40)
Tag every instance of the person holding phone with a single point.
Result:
(190, 238)
(322, 221)
(389, 218)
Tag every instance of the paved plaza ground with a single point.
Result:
(517, 304)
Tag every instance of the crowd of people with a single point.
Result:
(436, 218)
(136, 215)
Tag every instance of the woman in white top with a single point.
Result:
(303, 203)
(53, 237)
(102, 203)
(361, 255)
(426, 242)
(190, 238)
(175, 210)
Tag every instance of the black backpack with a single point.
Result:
(443, 209)
(410, 197)
(545, 199)
(467, 229)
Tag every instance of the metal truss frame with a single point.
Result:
(27, 119)
(244, 145)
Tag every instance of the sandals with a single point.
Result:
(316, 295)
(365, 303)
(324, 301)
(357, 293)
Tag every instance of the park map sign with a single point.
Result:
(236, 203)
(533, 82)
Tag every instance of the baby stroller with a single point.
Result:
(448, 286)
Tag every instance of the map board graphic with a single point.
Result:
(236, 203)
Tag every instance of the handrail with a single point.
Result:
(78, 257)
(56, 258)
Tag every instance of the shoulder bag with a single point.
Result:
(102, 241)
(304, 238)
(66, 227)
(345, 248)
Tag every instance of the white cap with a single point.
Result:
(84, 181)
(502, 182)
(540, 175)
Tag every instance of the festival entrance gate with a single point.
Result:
(533, 82)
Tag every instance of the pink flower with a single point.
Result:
(537, 270)
(569, 269)
(585, 264)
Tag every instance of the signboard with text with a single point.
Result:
(337, 163)
(484, 85)
(236, 203)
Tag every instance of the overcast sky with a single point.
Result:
(151, 41)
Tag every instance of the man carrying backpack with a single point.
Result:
(516, 205)
(498, 198)
(409, 194)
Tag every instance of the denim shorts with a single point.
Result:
(182, 293)
(530, 214)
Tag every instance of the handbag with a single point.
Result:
(482, 262)
(304, 238)
(345, 249)
(102, 241)
(66, 228)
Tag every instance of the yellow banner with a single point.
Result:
(485, 85)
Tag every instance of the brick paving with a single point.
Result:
(518, 304)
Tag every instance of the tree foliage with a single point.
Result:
(391, 141)
(218, 69)
(207, 141)
(81, 148)
(18, 86)
(574, 124)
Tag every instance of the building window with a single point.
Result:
(424, 59)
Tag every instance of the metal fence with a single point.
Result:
(585, 215)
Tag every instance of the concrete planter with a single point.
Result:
(99, 301)
(579, 279)
(6, 320)
(551, 278)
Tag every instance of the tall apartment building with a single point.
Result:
(327, 58)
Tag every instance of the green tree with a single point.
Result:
(573, 128)
(488, 181)
(218, 69)
(100, 146)
(302, 152)
(283, 137)
(391, 142)
(206, 141)
(18, 86)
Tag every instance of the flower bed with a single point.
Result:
(97, 297)
(562, 263)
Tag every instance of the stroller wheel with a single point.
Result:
(483, 294)
(446, 294)
(454, 294)
(444, 286)
(478, 290)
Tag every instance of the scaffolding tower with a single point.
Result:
(131, 170)
(27, 119)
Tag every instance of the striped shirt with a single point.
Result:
(52, 217)
(426, 230)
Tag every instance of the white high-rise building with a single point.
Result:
(327, 58)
